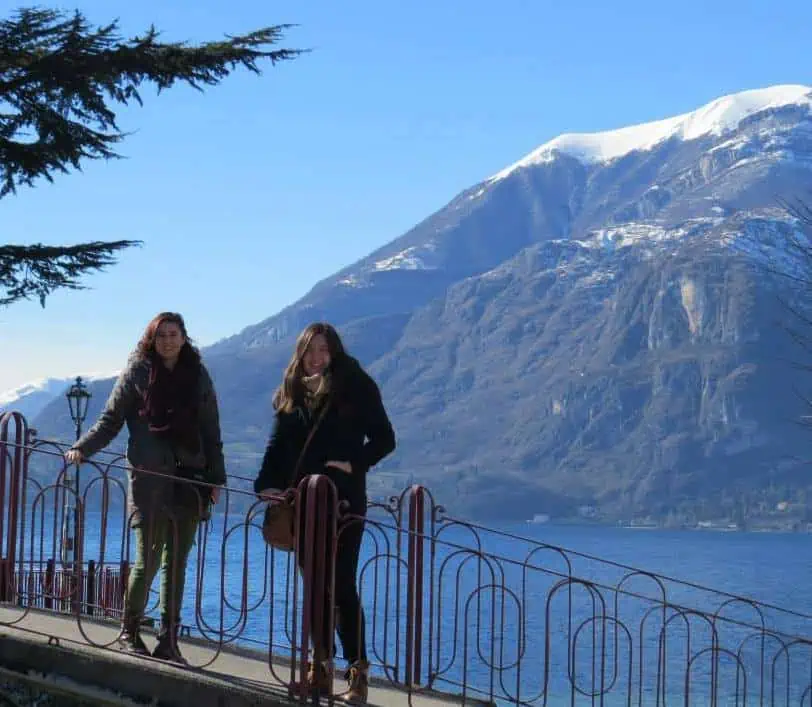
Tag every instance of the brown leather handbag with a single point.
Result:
(280, 516)
(277, 526)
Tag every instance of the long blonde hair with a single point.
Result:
(292, 392)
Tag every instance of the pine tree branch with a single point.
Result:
(38, 270)
(58, 75)
(59, 79)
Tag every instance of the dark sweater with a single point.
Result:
(355, 429)
(147, 450)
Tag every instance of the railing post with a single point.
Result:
(31, 589)
(62, 585)
(106, 578)
(19, 588)
(90, 594)
(318, 501)
(73, 577)
(50, 570)
(414, 590)
(12, 482)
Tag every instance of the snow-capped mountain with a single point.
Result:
(716, 119)
(592, 324)
(697, 165)
(31, 398)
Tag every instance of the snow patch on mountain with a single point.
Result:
(422, 257)
(715, 118)
(590, 257)
(414, 258)
(406, 260)
(629, 234)
(775, 239)
(351, 281)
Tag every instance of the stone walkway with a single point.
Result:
(234, 672)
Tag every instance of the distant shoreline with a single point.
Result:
(796, 529)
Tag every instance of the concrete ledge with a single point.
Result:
(106, 678)
(17, 690)
(47, 646)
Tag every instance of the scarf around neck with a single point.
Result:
(170, 403)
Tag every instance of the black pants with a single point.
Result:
(349, 617)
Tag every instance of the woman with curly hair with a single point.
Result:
(167, 400)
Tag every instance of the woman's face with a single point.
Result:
(317, 357)
(169, 340)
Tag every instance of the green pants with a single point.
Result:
(168, 542)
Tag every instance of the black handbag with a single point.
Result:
(191, 491)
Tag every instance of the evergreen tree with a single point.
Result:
(60, 78)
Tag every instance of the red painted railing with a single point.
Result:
(451, 606)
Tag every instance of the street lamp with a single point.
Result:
(78, 399)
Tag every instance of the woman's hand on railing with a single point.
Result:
(346, 467)
(215, 495)
(270, 494)
(74, 456)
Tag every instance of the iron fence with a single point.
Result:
(450, 605)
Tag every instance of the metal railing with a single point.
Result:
(451, 606)
(100, 589)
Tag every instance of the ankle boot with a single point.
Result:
(129, 639)
(167, 648)
(358, 679)
(318, 679)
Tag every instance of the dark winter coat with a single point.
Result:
(355, 429)
(148, 493)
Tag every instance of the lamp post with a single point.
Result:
(78, 398)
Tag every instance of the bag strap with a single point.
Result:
(296, 475)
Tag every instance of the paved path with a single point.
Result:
(245, 671)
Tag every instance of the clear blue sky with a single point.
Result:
(248, 194)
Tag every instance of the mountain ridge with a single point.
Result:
(571, 334)
(31, 397)
(715, 118)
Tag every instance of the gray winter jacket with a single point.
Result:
(145, 450)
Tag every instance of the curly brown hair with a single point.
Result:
(145, 349)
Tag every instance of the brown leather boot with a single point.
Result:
(318, 679)
(358, 679)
